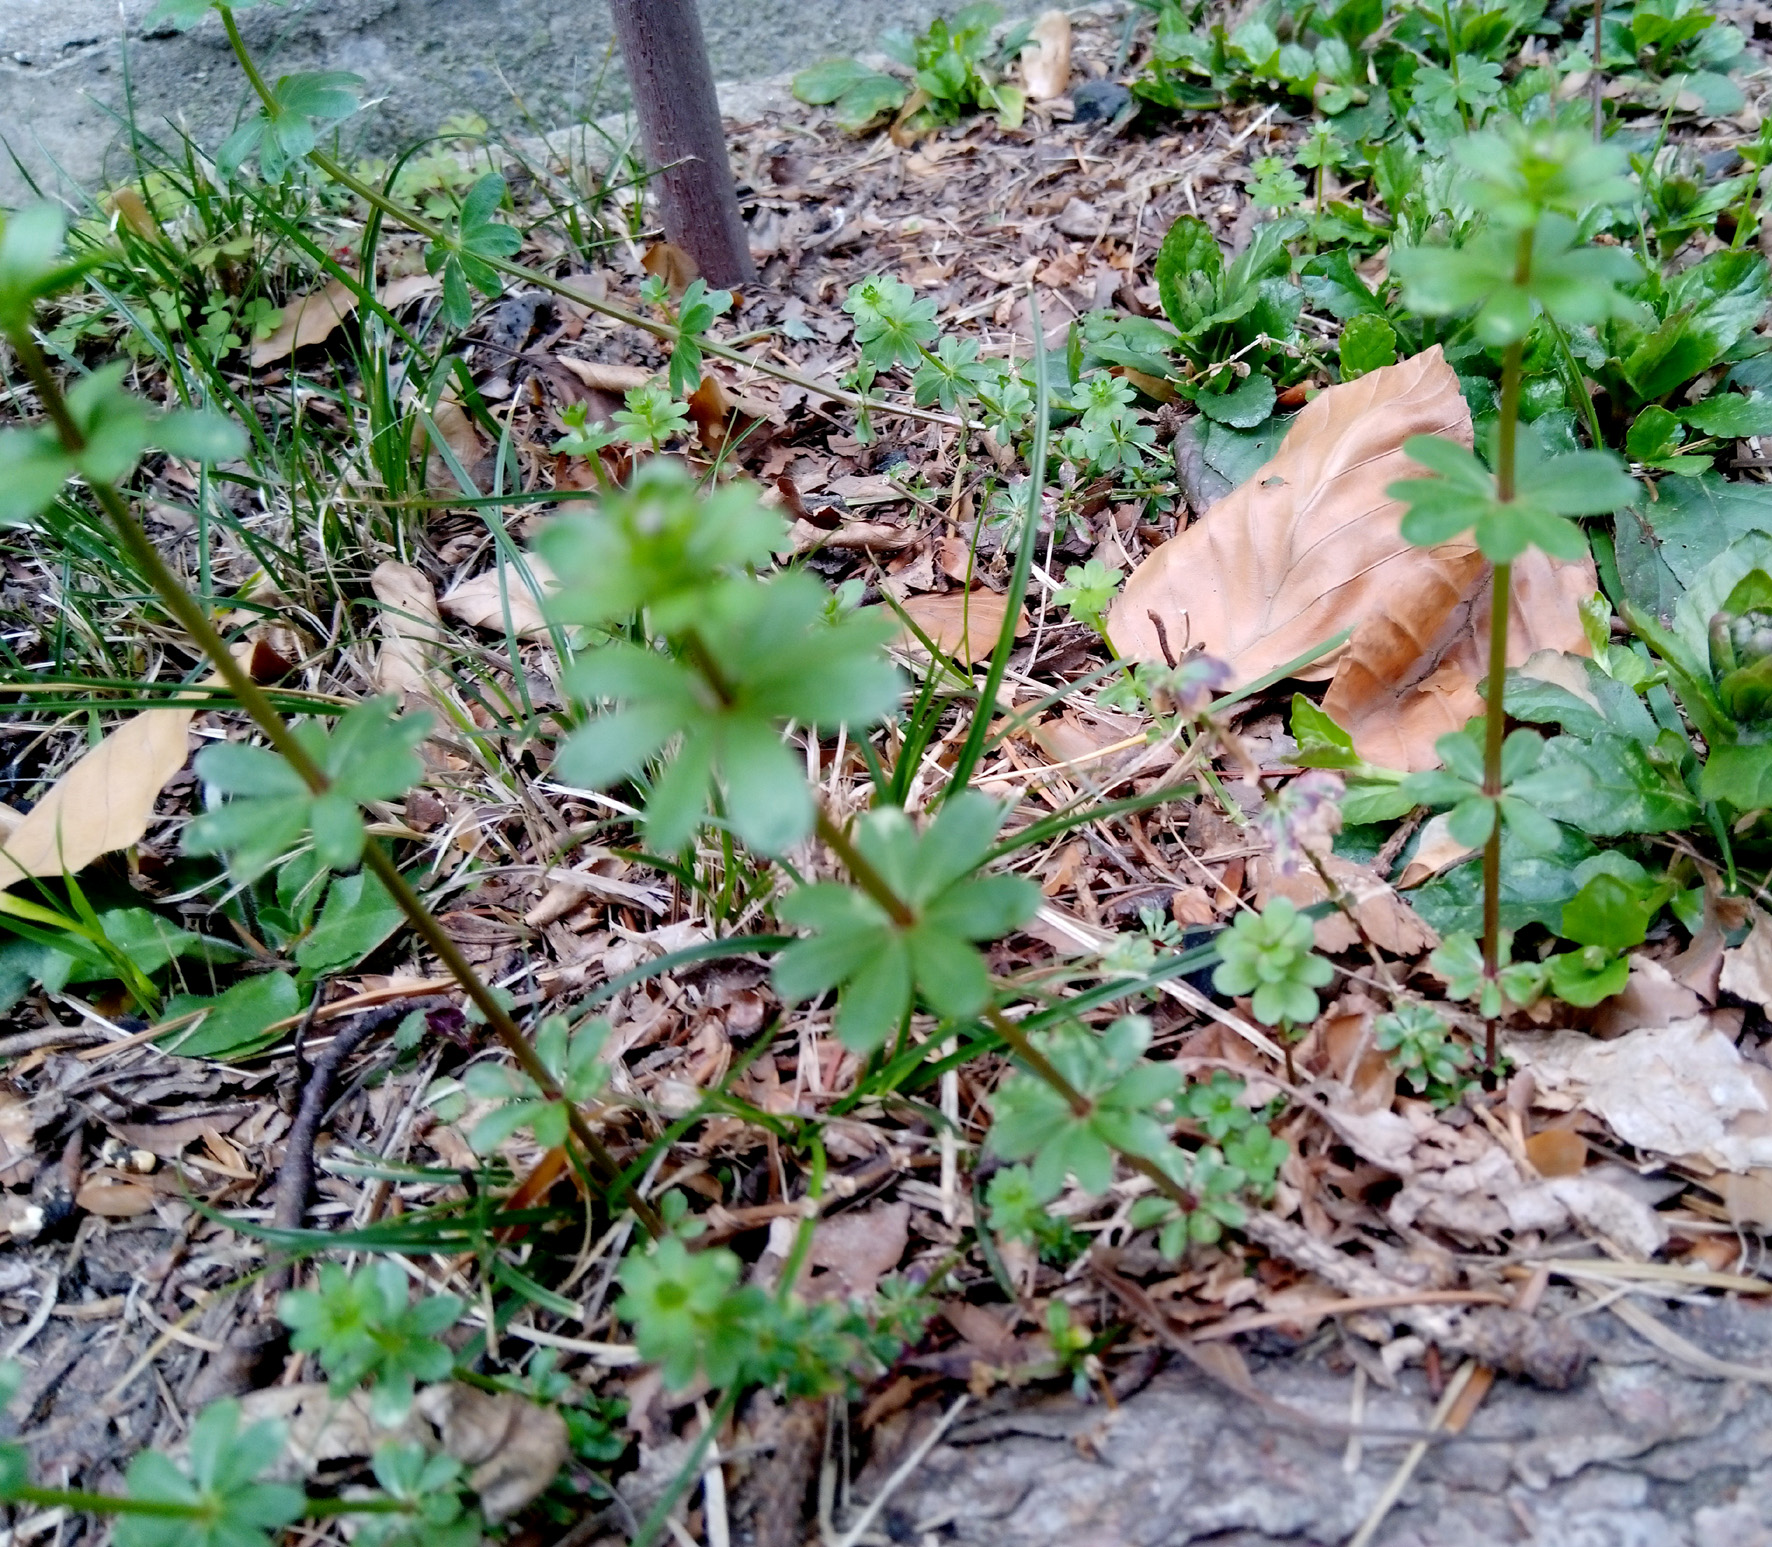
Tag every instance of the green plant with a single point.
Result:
(579, 1076)
(1533, 181)
(366, 1326)
(880, 954)
(462, 252)
(1418, 1043)
(1271, 956)
(955, 67)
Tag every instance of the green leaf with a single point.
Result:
(1686, 525)
(229, 1504)
(1534, 887)
(825, 82)
(1611, 912)
(285, 131)
(199, 437)
(1334, 286)
(1245, 407)
(1188, 268)
(359, 915)
(1607, 785)
(365, 1327)
(368, 756)
(1585, 977)
(1708, 591)
(1740, 776)
(239, 1021)
(30, 267)
(1709, 308)
(461, 255)
(876, 963)
(183, 14)
(1730, 415)
(780, 657)
(1321, 742)
(1368, 342)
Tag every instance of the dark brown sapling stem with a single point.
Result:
(661, 44)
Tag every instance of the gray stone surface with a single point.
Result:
(1641, 1454)
(526, 65)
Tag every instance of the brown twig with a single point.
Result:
(295, 1176)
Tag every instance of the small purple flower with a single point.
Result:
(1192, 684)
(1303, 817)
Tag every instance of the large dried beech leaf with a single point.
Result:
(104, 802)
(482, 601)
(1397, 692)
(963, 624)
(409, 626)
(310, 319)
(1310, 545)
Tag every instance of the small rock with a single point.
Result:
(1099, 101)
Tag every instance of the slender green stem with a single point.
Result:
(190, 616)
(414, 221)
(1599, 81)
(1464, 112)
(862, 870)
(1495, 714)
(973, 747)
(168, 1509)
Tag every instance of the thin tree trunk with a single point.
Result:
(679, 116)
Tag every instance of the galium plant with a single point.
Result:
(1526, 266)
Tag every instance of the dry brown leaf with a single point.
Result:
(708, 408)
(606, 378)
(1651, 997)
(465, 443)
(104, 802)
(1310, 544)
(18, 1128)
(860, 1248)
(1046, 61)
(1681, 1090)
(1438, 850)
(323, 1427)
(482, 601)
(671, 264)
(310, 319)
(1747, 1197)
(1354, 1056)
(409, 626)
(1557, 1152)
(963, 624)
(113, 1199)
(515, 1446)
(1390, 922)
(1747, 968)
(1397, 692)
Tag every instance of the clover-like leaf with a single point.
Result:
(366, 1327)
(762, 654)
(878, 962)
(574, 1061)
(289, 126)
(466, 253)
(890, 322)
(688, 1313)
(367, 756)
(1271, 956)
(229, 1503)
(1128, 1101)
